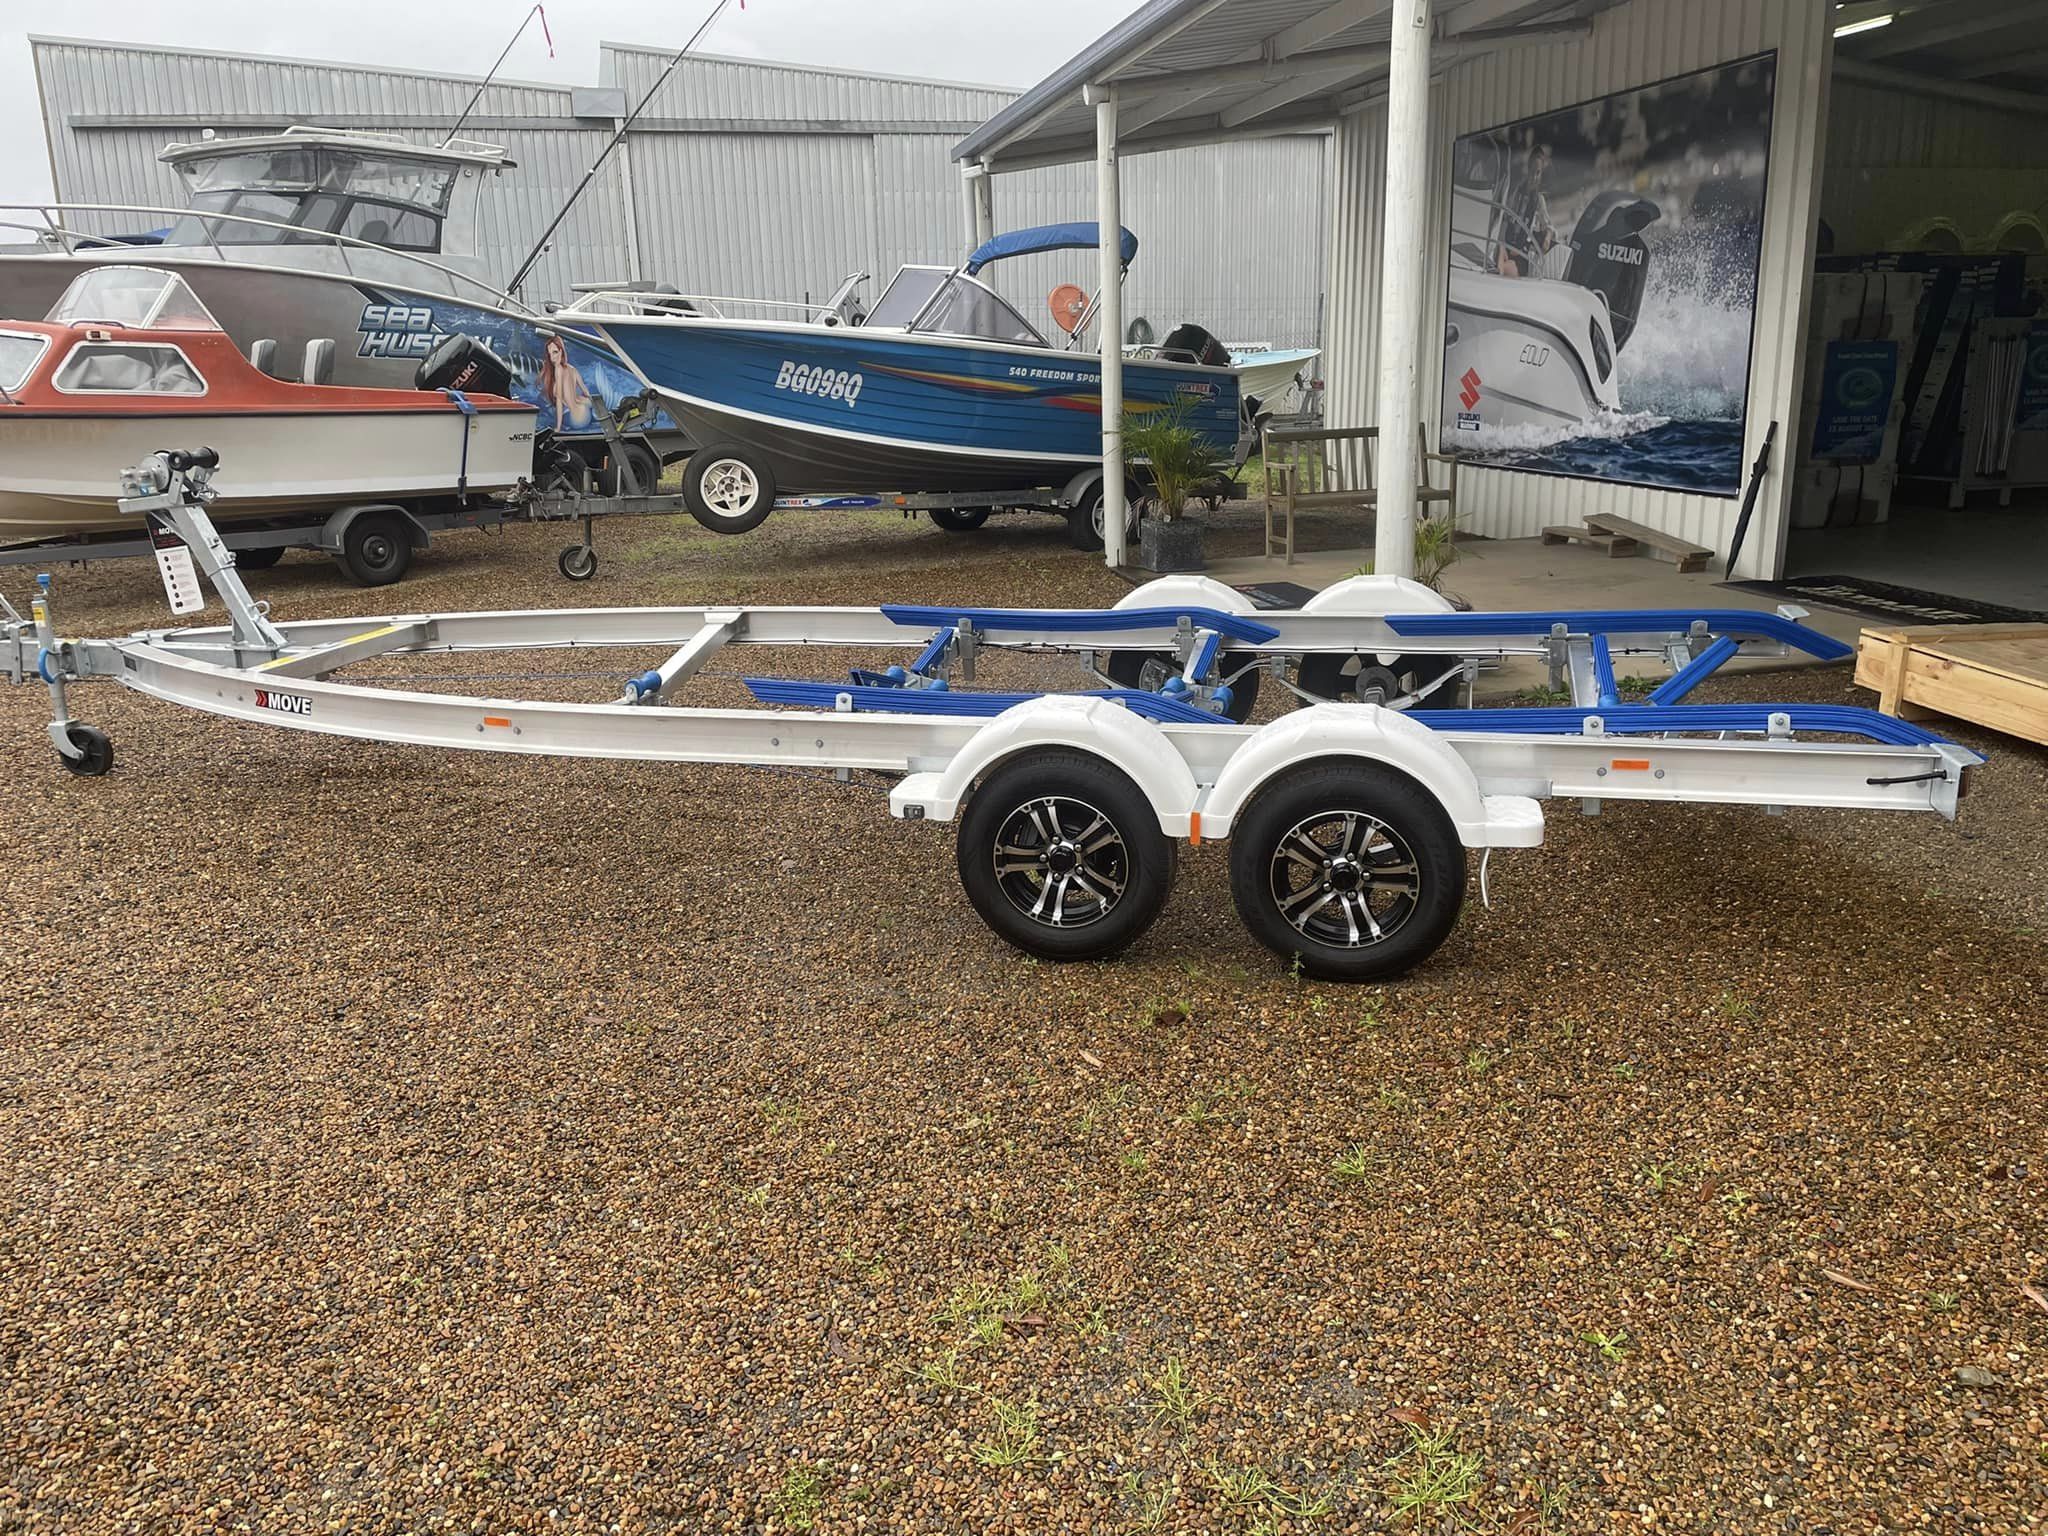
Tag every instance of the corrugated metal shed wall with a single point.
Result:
(1634, 44)
(1231, 235)
(1898, 158)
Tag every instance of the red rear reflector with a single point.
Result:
(1638, 763)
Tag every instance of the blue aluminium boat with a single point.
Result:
(942, 386)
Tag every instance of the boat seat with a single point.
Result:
(318, 366)
(263, 356)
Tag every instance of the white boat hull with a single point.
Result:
(60, 474)
(1525, 352)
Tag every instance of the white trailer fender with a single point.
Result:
(1189, 592)
(1377, 735)
(1098, 727)
(1375, 597)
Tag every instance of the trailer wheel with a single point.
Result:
(258, 557)
(1351, 867)
(1363, 679)
(958, 519)
(1062, 856)
(95, 751)
(1146, 670)
(728, 489)
(377, 549)
(578, 562)
(1084, 522)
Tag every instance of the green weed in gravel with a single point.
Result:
(1355, 1164)
(1612, 1347)
(1015, 1440)
(799, 1499)
(1174, 1398)
(1430, 1478)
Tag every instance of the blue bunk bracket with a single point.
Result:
(1742, 622)
(1665, 719)
(1604, 687)
(1079, 620)
(938, 701)
(1694, 672)
(935, 653)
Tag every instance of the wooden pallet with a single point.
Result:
(1690, 556)
(1615, 545)
(1994, 675)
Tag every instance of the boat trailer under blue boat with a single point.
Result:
(942, 386)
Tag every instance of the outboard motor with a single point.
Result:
(464, 363)
(1609, 256)
(1189, 343)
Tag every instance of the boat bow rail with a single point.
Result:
(1348, 822)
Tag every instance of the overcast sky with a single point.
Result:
(997, 42)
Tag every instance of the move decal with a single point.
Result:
(284, 703)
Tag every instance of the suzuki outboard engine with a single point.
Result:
(1189, 343)
(1609, 256)
(464, 363)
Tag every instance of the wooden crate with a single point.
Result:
(1994, 675)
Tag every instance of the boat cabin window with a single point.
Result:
(141, 297)
(128, 368)
(18, 357)
(321, 189)
(965, 308)
(906, 296)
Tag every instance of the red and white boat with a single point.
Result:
(130, 362)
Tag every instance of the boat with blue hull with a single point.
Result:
(941, 386)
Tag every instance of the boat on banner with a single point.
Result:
(363, 240)
(130, 359)
(941, 386)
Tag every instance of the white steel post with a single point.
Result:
(969, 196)
(1109, 323)
(984, 205)
(1401, 287)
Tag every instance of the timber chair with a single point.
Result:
(1308, 467)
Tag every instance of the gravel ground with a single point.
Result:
(402, 1142)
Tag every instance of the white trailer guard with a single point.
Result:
(1348, 821)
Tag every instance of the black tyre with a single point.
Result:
(958, 519)
(1350, 866)
(1084, 523)
(645, 466)
(1062, 856)
(728, 489)
(95, 751)
(578, 562)
(377, 549)
(1366, 679)
(258, 557)
(1146, 670)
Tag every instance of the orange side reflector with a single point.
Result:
(496, 720)
(1195, 829)
(1638, 763)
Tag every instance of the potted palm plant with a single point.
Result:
(1167, 454)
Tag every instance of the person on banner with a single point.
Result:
(1526, 231)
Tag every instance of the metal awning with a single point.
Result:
(1196, 71)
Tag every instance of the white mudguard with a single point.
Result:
(1099, 727)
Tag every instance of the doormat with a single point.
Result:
(1276, 594)
(1886, 601)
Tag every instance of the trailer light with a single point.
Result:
(1634, 764)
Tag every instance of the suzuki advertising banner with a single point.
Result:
(1603, 277)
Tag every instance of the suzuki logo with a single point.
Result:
(1469, 395)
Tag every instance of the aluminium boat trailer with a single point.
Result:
(1349, 824)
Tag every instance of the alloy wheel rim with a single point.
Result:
(1061, 862)
(1345, 879)
(730, 489)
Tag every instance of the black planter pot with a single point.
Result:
(1174, 546)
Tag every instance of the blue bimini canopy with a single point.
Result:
(1047, 237)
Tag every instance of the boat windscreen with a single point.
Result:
(18, 356)
(906, 296)
(385, 200)
(134, 296)
(966, 308)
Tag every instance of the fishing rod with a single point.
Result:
(483, 84)
(590, 175)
